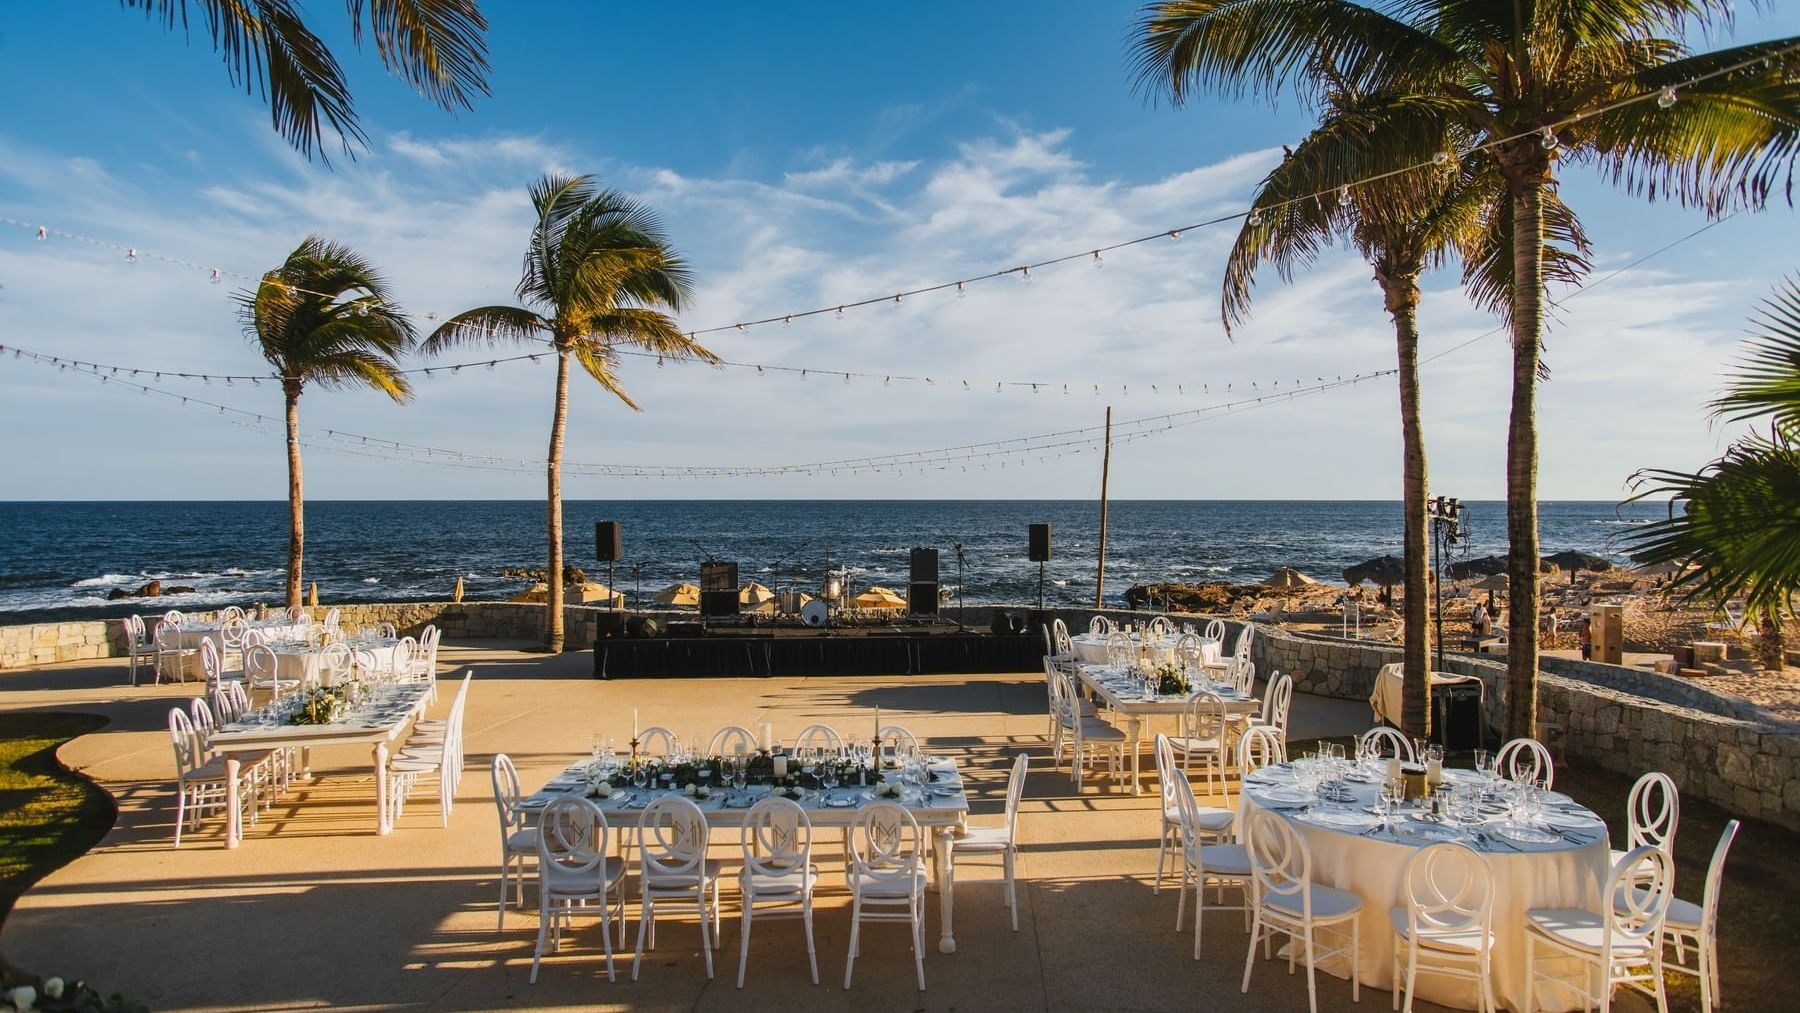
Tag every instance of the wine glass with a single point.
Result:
(740, 775)
(829, 777)
(639, 777)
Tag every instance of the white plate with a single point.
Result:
(1342, 819)
(1524, 835)
(1429, 831)
(1285, 795)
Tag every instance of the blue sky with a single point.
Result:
(803, 155)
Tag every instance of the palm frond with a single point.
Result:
(487, 325)
(645, 330)
(1768, 381)
(599, 360)
(1488, 252)
(436, 46)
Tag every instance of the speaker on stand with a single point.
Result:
(608, 543)
(1040, 554)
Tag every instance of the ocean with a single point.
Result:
(59, 560)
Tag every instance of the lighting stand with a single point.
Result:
(1446, 515)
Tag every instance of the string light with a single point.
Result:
(1666, 97)
(1442, 158)
(1548, 140)
(1255, 220)
(1098, 262)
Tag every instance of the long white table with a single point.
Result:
(939, 814)
(1121, 693)
(1369, 862)
(377, 726)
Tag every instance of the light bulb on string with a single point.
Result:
(131, 255)
(959, 290)
(1175, 234)
(217, 276)
(787, 321)
(1548, 139)
(1344, 192)
(1098, 261)
(43, 233)
(1666, 97)
(840, 313)
(1442, 158)
(1025, 273)
(1255, 220)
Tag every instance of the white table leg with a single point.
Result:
(234, 819)
(946, 872)
(1137, 750)
(383, 822)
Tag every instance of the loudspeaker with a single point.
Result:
(687, 630)
(924, 566)
(1456, 716)
(610, 624)
(1007, 623)
(608, 546)
(642, 627)
(1040, 543)
(719, 604)
(716, 576)
(922, 597)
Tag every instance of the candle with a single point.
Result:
(768, 735)
(1393, 768)
(634, 724)
(878, 722)
(780, 766)
(1434, 772)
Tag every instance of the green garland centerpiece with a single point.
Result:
(1171, 681)
(322, 705)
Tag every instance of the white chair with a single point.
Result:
(897, 739)
(423, 666)
(1059, 638)
(230, 702)
(1384, 741)
(1202, 736)
(230, 613)
(1100, 626)
(1089, 738)
(1158, 627)
(259, 763)
(1697, 925)
(1278, 698)
(887, 878)
(732, 740)
(575, 871)
(388, 630)
(1259, 747)
(818, 737)
(200, 779)
(170, 654)
(1288, 902)
(1002, 840)
(174, 617)
(657, 741)
(1446, 925)
(1525, 760)
(1121, 650)
(1054, 674)
(1652, 811)
(673, 869)
(518, 842)
(1622, 941)
(777, 877)
(296, 614)
(262, 671)
(1215, 631)
(138, 643)
(331, 620)
(1221, 865)
(422, 759)
(231, 641)
(1214, 823)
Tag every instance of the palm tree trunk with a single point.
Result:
(1529, 174)
(1400, 285)
(553, 576)
(296, 509)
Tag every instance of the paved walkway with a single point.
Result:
(315, 909)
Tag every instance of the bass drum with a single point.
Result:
(813, 613)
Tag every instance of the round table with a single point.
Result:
(1569, 872)
(1090, 648)
(299, 661)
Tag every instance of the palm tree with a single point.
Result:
(435, 46)
(1535, 83)
(1738, 526)
(324, 318)
(598, 273)
(1401, 226)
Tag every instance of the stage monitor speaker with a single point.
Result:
(643, 628)
(922, 598)
(610, 624)
(719, 604)
(924, 566)
(1040, 543)
(608, 546)
(1456, 717)
(717, 576)
(687, 630)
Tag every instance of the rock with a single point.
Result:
(118, 592)
(150, 590)
(178, 589)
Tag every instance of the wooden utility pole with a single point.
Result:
(1105, 469)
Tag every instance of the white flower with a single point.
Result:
(603, 789)
(22, 998)
(689, 790)
(703, 792)
(53, 988)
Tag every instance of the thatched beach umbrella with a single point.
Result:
(1384, 570)
(1287, 578)
(1485, 566)
(679, 594)
(1575, 561)
(1495, 582)
(754, 594)
(878, 598)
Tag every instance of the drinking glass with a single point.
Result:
(639, 777)
(1484, 762)
(829, 777)
(1393, 794)
(740, 774)
(599, 747)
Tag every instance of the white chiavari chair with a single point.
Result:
(1287, 902)
(896, 740)
(1525, 760)
(230, 613)
(262, 671)
(1697, 925)
(1215, 631)
(1445, 925)
(818, 737)
(574, 871)
(200, 779)
(1100, 626)
(518, 842)
(1652, 812)
(171, 656)
(778, 876)
(331, 665)
(1158, 628)
(1002, 840)
(1384, 741)
(673, 869)
(1622, 941)
(1215, 824)
(1220, 865)
(138, 643)
(732, 741)
(887, 878)
(1090, 738)
(658, 741)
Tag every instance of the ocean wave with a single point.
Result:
(371, 580)
(109, 580)
(1620, 522)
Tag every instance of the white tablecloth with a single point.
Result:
(293, 661)
(1090, 648)
(1386, 699)
(1564, 874)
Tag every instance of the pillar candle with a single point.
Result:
(768, 736)
(634, 724)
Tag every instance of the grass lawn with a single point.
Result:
(48, 816)
(1759, 913)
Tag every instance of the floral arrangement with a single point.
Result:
(888, 789)
(54, 995)
(322, 705)
(1171, 681)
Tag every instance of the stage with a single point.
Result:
(901, 649)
